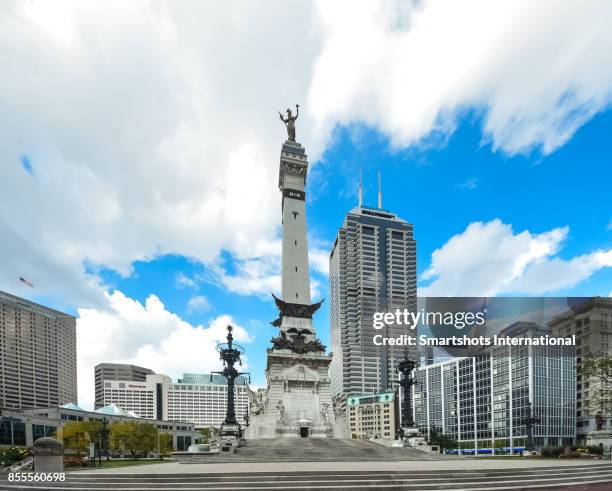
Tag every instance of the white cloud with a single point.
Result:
(319, 260)
(489, 259)
(260, 274)
(183, 281)
(148, 335)
(151, 126)
(199, 303)
(556, 273)
(536, 70)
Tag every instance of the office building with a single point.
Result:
(136, 396)
(37, 355)
(483, 402)
(23, 427)
(372, 415)
(372, 268)
(197, 398)
(591, 322)
(117, 371)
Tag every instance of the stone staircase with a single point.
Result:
(575, 477)
(320, 450)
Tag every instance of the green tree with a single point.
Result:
(165, 443)
(442, 440)
(597, 370)
(134, 437)
(77, 435)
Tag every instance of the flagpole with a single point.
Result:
(23, 281)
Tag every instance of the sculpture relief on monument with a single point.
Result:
(297, 400)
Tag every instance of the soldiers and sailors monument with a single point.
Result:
(297, 400)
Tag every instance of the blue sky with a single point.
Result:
(139, 158)
(440, 188)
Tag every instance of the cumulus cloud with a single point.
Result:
(535, 70)
(199, 303)
(488, 259)
(149, 335)
(183, 281)
(136, 129)
(149, 127)
(319, 259)
(261, 273)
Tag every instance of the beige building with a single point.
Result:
(117, 371)
(23, 427)
(37, 355)
(591, 322)
(372, 415)
(198, 398)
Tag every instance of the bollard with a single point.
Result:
(48, 455)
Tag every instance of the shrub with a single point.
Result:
(594, 449)
(12, 455)
(592, 452)
(75, 461)
(552, 451)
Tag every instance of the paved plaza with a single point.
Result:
(346, 467)
(328, 464)
(458, 474)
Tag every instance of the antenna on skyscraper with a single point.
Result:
(379, 192)
(360, 188)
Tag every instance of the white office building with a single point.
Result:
(135, 396)
(200, 399)
(117, 371)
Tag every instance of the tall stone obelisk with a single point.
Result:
(297, 399)
(295, 282)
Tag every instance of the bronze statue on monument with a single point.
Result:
(290, 122)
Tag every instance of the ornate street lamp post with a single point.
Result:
(246, 417)
(104, 434)
(529, 423)
(406, 381)
(230, 353)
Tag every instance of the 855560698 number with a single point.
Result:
(36, 476)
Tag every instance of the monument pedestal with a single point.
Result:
(600, 438)
(412, 438)
(297, 402)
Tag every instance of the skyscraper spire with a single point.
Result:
(360, 188)
(379, 192)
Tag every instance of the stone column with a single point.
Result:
(48, 455)
(295, 279)
(29, 434)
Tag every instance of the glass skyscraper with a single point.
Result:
(372, 269)
(483, 402)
